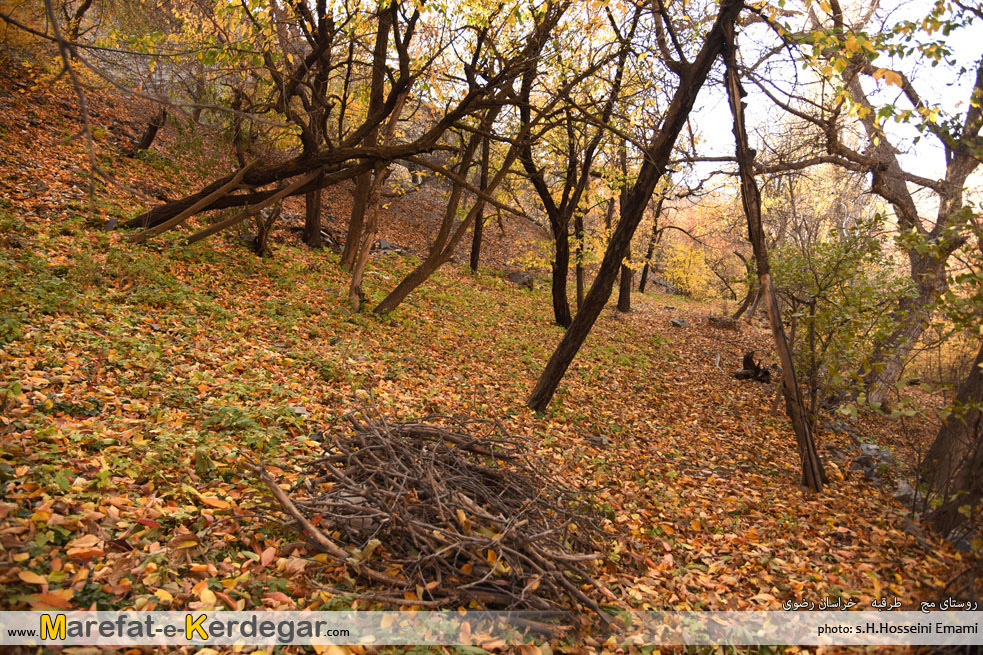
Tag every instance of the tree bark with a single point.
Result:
(958, 436)
(813, 475)
(149, 134)
(360, 202)
(624, 290)
(653, 240)
(561, 266)
(578, 228)
(312, 218)
(479, 221)
(956, 458)
(691, 80)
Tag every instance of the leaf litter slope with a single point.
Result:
(138, 378)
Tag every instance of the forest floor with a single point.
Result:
(120, 363)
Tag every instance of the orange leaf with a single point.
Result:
(31, 577)
(218, 503)
(268, 555)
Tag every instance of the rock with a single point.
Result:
(521, 278)
(838, 427)
(872, 459)
(904, 492)
(399, 181)
(882, 455)
(300, 410)
(597, 441)
(110, 224)
(679, 322)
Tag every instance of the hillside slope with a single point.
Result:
(128, 370)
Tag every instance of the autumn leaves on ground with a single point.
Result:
(138, 380)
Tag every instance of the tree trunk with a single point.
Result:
(958, 436)
(624, 290)
(74, 28)
(813, 475)
(653, 240)
(751, 292)
(149, 134)
(653, 168)
(912, 315)
(360, 203)
(355, 295)
(561, 266)
(356, 220)
(443, 248)
(578, 229)
(958, 452)
(479, 221)
(312, 219)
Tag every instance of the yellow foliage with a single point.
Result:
(687, 269)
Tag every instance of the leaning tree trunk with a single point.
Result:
(813, 475)
(912, 316)
(958, 436)
(691, 80)
(149, 134)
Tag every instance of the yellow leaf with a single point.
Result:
(207, 596)
(888, 76)
(164, 596)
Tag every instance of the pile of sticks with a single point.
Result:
(436, 514)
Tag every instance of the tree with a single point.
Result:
(845, 52)
(691, 77)
(813, 475)
(578, 146)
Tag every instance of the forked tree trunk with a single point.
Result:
(363, 184)
(561, 266)
(443, 247)
(813, 475)
(691, 80)
(356, 221)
